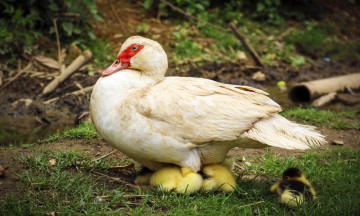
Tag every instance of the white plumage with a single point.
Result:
(181, 120)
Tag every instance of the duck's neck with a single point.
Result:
(110, 90)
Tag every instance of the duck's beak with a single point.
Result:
(115, 67)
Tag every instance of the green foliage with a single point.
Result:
(336, 120)
(268, 11)
(25, 21)
(82, 131)
(65, 187)
(190, 6)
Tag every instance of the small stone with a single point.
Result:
(258, 76)
(241, 56)
(338, 142)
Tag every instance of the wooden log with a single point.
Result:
(324, 100)
(247, 46)
(74, 66)
(77, 92)
(308, 91)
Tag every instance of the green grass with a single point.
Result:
(336, 120)
(69, 188)
(83, 131)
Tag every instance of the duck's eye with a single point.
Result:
(117, 61)
(134, 48)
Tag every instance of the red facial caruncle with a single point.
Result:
(122, 61)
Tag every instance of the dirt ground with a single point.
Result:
(9, 158)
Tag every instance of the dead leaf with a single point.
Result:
(48, 62)
(52, 162)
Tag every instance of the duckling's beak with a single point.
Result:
(115, 67)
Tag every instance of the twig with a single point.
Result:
(81, 91)
(104, 156)
(282, 35)
(247, 46)
(130, 166)
(74, 66)
(250, 204)
(117, 180)
(186, 14)
(58, 46)
(17, 75)
(135, 195)
(118, 20)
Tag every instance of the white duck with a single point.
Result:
(189, 122)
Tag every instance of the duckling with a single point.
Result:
(219, 176)
(294, 189)
(182, 179)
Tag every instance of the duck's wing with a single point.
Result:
(199, 111)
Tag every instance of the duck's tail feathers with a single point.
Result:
(279, 132)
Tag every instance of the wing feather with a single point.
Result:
(200, 110)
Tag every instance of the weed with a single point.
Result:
(67, 187)
(83, 131)
(331, 119)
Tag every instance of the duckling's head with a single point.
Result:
(292, 173)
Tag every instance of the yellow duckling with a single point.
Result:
(183, 180)
(294, 189)
(219, 176)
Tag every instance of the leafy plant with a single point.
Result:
(25, 21)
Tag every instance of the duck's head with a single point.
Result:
(142, 54)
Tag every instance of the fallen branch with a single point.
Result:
(324, 100)
(251, 204)
(74, 66)
(308, 91)
(104, 156)
(60, 61)
(247, 46)
(117, 180)
(18, 74)
(81, 91)
(186, 14)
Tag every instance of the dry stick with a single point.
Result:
(255, 203)
(17, 75)
(124, 30)
(186, 14)
(58, 46)
(247, 46)
(81, 91)
(74, 66)
(130, 166)
(117, 180)
(104, 156)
